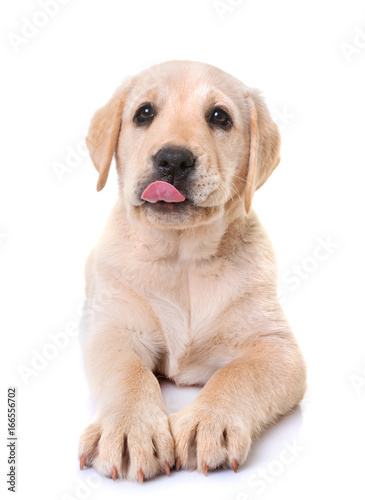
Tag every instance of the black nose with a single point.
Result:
(174, 162)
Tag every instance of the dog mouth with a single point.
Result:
(166, 209)
(162, 192)
(165, 198)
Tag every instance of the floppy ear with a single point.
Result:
(103, 134)
(264, 146)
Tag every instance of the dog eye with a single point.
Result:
(144, 115)
(220, 118)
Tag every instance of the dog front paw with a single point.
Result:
(135, 445)
(207, 438)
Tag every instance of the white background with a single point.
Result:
(309, 60)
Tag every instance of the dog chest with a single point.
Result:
(189, 311)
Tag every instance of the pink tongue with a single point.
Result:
(162, 191)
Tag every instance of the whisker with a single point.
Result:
(241, 179)
(235, 190)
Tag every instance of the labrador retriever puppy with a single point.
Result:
(183, 281)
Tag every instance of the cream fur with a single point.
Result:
(191, 296)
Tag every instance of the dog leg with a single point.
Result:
(130, 436)
(238, 402)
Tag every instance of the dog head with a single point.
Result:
(188, 139)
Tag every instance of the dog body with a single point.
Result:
(183, 280)
(194, 314)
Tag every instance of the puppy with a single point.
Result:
(182, 282)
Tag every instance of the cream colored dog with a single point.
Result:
(183, 280)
